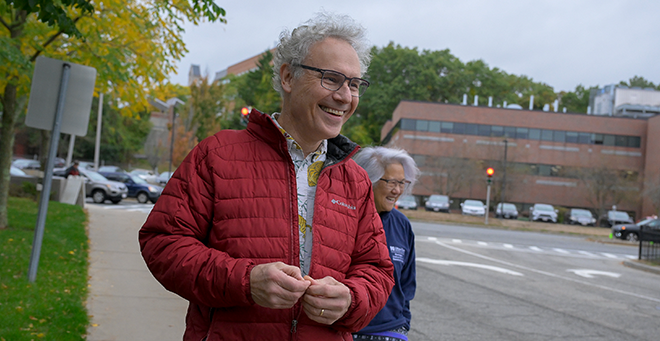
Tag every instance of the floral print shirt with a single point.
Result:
(307, 174)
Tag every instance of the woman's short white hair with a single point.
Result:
(375, 159)
(294, 47)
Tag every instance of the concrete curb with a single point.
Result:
(639, 266)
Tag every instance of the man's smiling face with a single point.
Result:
(312, 113)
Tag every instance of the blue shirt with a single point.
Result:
(401, 243)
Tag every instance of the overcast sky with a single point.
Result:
(560, 43)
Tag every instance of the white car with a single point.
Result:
(473, 207)
(543, 212)
(407, 202)
(146, 175)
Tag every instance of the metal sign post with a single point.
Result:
(69, 89)
(48, 177)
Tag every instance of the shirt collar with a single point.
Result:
(292, 144)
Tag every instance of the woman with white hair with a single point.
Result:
(393, 172)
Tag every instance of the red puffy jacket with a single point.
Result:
(232, 205)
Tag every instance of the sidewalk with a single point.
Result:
(125, 301)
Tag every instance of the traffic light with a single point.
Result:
(245, 114)
(490, 171)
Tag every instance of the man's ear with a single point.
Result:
(286, 77)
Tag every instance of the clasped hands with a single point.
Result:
(280, 286)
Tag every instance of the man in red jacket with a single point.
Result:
(271, 232)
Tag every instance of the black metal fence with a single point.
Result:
(649, 244)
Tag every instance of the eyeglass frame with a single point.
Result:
(350, 79)
(403, 185)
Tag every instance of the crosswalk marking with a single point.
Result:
(579, 253)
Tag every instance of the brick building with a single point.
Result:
(548, 154)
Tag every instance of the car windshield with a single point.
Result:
(543, 207)
(166, 174)
(407, 198)
(439, 198)
(619, 215)
(581, 213)
(16, 172)
(137, 179)
(509, 207)
(646, 221)
(476, 203)
(94, 176)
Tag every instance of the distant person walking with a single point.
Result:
(72, 170)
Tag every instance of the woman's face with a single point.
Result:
(385, 195)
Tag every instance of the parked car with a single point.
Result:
(109, 169)
(86, 165)
(438, 203)
(616, 217)
(137, 187)
(543, 212)
(98, 187)
(580, 216)
(13, 171)
(145, 174)
(26, 164)
(473, 207)
(407, 202)
(630, 232)
(506, 210)
(164, 177)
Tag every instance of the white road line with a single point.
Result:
(587, 253)
(549, 274)
(473, 265)
(482, 243)
(609, 255)
(536, 248)
(508, 246)
(561, 251)
(457, 241)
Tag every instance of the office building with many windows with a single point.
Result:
(567, 160)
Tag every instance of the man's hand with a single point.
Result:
(277, 285)
(326, 300)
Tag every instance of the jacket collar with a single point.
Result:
(262, 126)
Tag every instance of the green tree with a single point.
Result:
(132, 45)
(204, 108)
(576, 101)
(641, 82)
(121, 136)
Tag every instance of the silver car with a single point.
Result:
(438, 202)
(98, 187)
(543, 212)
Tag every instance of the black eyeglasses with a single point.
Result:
(390, 184)
(334, 80)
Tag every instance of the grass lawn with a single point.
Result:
(53, 307)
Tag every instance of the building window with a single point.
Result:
(608, 140)
(510, 132)
(546, 135)
(621, 141)
(484, 130)
(596, 138)
(559, 136)
(422, 125)
(535, 134)
(497, 131)
(408, 124)
(571, 137)
(434, 126)
(522, 133)
(459, 128)
(634, 141)
(447, 127)
(471, 129)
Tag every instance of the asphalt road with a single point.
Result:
(487, 284)
(483, 284)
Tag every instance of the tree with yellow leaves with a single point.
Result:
(132, 44)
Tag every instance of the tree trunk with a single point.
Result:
(9, 116)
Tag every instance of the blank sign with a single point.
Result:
(45, 91)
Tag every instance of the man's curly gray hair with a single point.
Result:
(294, 47)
